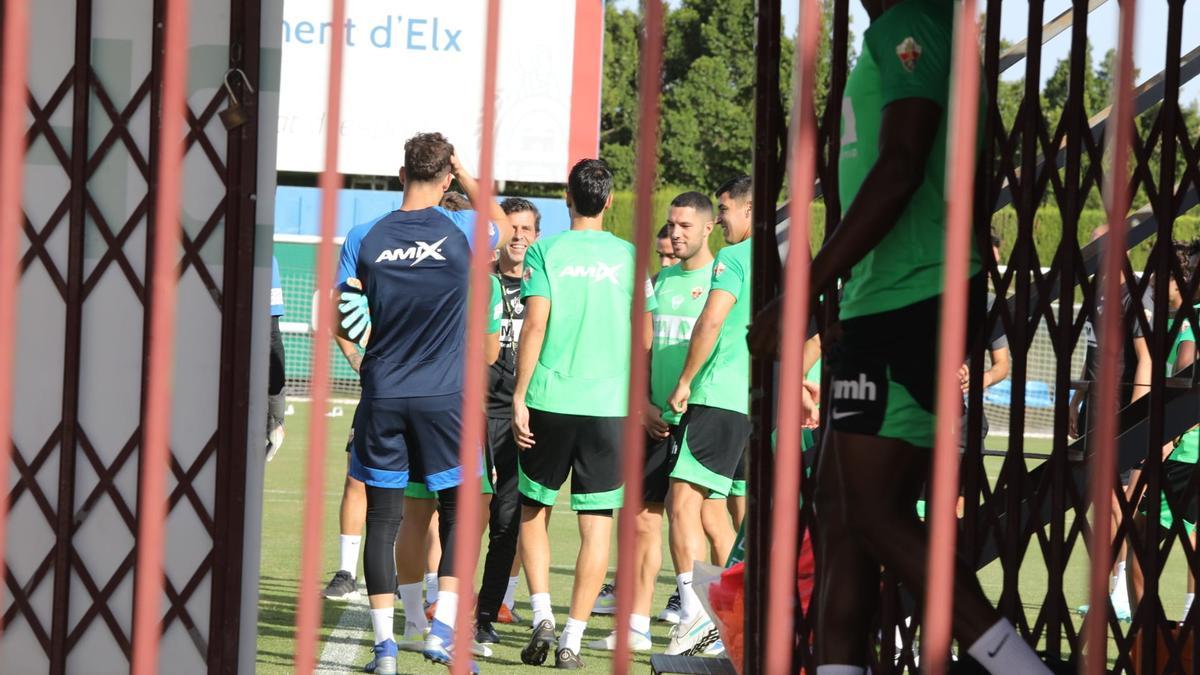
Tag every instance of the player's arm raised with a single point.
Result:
(471, 187)
(704, 338)
(907, 132)
(529, 350)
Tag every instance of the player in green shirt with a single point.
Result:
(570, 399)
(880, 419)
(1179, 455)
(711, 395)
(680, 291)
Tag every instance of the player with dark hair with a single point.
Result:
(876, 454)
(570, 399)
(711, 395)
(414, 267)
(1179, 455)
(664, 249)
(498, 588)
(680, 292)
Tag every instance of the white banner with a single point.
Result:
(417, 65)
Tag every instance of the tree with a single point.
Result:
(619, 107)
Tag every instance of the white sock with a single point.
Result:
(572, 635)
(1120, 585)
(431, 587)
(1120, 593)
(510, 595)
(1001, 650)
(447, 608)
(1187, 605)
(832, 669)
(381, 621)
(689, 602)
(349, 547)
(640, 623)
(542, 611)
(414, 613)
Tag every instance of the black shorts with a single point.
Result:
(661, 454)
(884, 367)
(588, 448)
(711, 446)
(399, 438)
(1176, 478)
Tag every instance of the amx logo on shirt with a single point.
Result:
(422, 251)
(861, 389)
(597, 273)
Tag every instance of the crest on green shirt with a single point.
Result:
(908, 51)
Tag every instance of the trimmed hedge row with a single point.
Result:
(1047, 226)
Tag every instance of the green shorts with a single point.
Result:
(416, 490)
(586, 448)
(714, 442)
(1176, 476)
(884, 368)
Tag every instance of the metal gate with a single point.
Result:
(1034, 511)
(94, 101)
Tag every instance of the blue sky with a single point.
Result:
(1149, 40)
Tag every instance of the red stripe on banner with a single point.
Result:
(156, 452)
(633, 440)
(586, 71)
(960, 193)
(788, 461)
(468, 523)
(12, 170)
(1103, 460)
(308, 611)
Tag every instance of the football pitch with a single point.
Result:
(345, 634)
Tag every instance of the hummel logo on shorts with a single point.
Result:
(854, 390)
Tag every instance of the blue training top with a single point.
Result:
(276, 289)
(414, 267)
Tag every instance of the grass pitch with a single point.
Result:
(350, 643)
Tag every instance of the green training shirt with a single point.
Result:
(724, 379)
(495, 307)
(584, 365)
(906, 54)
(1187, 447)
(680, 295)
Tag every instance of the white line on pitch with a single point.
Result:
(343, 644)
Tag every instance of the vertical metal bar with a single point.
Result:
(12, 169)
(633, 434)
(308, 610)
(768, 118)
(73, 336)
(1110, 344)
(960, 191)
(1167, 213)
(156, 428)
(780, 637)
(1025, 260)
(237, 319)
(467, 525)
(1075, 121)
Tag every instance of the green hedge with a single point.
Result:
(1047, 226)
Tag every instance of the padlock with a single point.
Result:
(235, 115)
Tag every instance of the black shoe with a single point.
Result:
(565, 659)
(342, 587)
(485, 634)
(540, 644)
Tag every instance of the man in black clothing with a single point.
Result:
(501, 567)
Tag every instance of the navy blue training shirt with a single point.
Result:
(414, 267)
